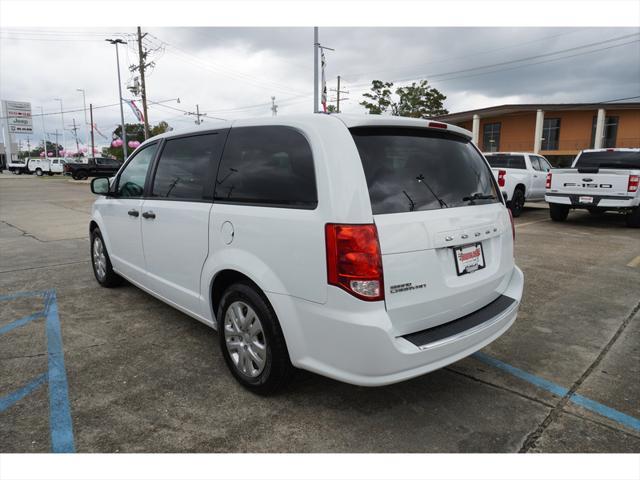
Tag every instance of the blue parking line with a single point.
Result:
(60, 424)
(20, 322)
(596, 407)
(13, 296)
(8, 400)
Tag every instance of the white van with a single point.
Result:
(369, 249)
(50, 166)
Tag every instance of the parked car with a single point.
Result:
(368, 249)
(50, 166)
(521, 177)
(599, 180)
(93, 167)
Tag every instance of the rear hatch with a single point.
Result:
(445, 236)
(601, 172)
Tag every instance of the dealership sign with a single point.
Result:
(17, 116)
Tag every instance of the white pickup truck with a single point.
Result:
(40, 166)
(599, 180)
(521, 177)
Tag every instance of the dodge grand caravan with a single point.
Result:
(368, 249)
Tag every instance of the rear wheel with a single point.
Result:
(633, 219)
(81, 175)
(558, 212)
(102, 268)
(516, 205)
(39, 172)
(251, 340)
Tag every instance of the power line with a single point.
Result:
(519, 60)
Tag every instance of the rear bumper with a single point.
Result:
(601, 201)
(360, 347)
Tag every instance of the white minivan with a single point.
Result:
(369, 249)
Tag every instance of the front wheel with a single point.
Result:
(558, 212)
(516, 205)
(39, 172)
(251, 340)
(102, 268)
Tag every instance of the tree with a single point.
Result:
(332, 109)
(380, 97)
(420, 101)
(417, 100)
(135, 132)
(51, 148)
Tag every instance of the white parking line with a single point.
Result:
(531, 223)
(635, 263)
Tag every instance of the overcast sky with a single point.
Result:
(233, 72)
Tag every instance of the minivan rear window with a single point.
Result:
(609, 159)
(507, 161)
(412, 169)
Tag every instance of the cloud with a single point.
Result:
(233, 72)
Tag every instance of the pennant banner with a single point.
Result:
(323, 83)
(135, 109)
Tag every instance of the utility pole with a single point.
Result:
(338, 92)
(274, 107)
(316, 46)
(93, 146)
(124, 131)
(44, 133)
(84, 110)
(62, 115)
(197, 114)
(142, 67)
(75, 134)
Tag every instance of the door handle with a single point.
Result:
(133, 213)
(148, 214)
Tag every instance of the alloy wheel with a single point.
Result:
(245, 339)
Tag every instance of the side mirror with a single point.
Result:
(100, 186)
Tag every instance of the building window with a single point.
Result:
(491, 137)
(550, 134)
(610, 132)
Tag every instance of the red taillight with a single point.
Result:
(501, 174)
(437, 125)
(548, 183)
(513, 227)
(354, 262)
(632, 186)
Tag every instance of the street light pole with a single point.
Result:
(124, 132)
(44, 133)
(86, 125)
(316, 44)
(62, 115)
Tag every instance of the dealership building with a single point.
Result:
(557, 131)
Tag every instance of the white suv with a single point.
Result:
(369, 249)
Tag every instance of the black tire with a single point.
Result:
(558, 212)
(516, 205)
(39, 172)
(110, 278)
(81, 175)
(633, 219)
(277, 370)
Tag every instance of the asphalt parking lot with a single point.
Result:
(88, 369)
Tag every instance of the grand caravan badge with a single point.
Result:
(406, 287)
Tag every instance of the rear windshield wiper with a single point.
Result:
(421, 179)
(479, 196)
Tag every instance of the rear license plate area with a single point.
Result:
(584, 199)
(468, 258)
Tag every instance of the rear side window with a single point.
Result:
(269, 166)
(185, 166)
(507, 161)
(609, 159)
(419, 169)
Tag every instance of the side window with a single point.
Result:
(99, 161)
(186, 166)
(270, 165)
(131, 180)
(535, 163)
(544, 164)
